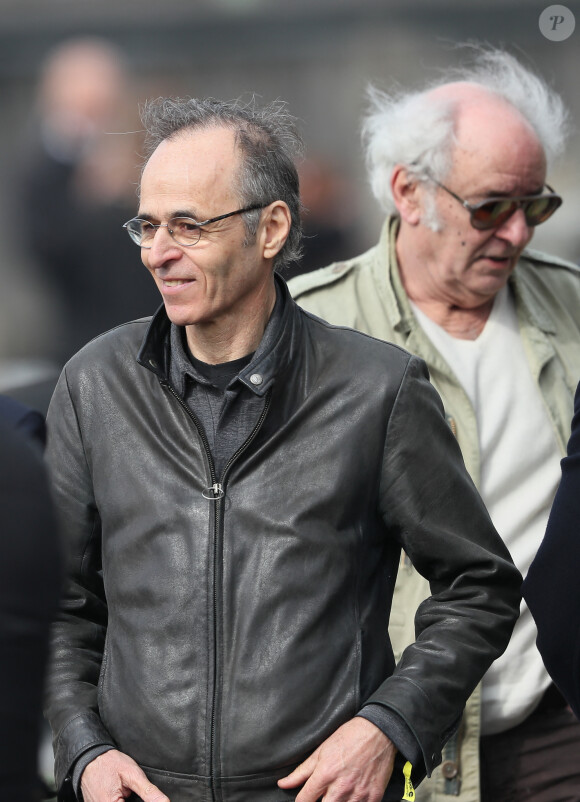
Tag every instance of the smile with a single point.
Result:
(176, 282)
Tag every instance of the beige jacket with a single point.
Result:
(366, 293)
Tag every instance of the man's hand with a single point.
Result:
(356, 762)
(113, 776)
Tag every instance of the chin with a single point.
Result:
(181, 317)
(490, 289)
(497, 274)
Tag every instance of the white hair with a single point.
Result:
(416, 129)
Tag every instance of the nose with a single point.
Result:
(163, 249)
(515, 230)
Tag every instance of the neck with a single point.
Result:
(233, 336)
(464, 324)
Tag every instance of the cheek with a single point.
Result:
(476, 240)
(456, 231)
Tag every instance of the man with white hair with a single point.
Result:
(461, 170)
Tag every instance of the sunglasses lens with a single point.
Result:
(492, 214)
(539, 210)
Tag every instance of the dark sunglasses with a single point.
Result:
(493, 212)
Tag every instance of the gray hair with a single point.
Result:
(268, 140)
(417, 130)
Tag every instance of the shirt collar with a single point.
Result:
(257, 376)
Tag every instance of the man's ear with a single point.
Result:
(408, 195)
(274, 228)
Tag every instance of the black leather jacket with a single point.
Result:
(219, 641)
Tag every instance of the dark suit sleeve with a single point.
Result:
(552, 586)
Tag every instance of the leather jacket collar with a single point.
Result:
(155, 350)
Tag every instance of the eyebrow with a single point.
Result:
(178, 213)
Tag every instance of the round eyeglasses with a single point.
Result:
(493, 212)
(185, 230)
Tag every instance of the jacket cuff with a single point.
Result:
(396, 730)
(411, 703)
(82, 762)
(83, 732)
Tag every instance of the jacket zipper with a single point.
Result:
(199, 428)
(216, 493)
(218, 528)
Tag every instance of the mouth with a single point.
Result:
(498, 260)
(178, 282)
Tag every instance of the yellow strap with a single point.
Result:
(409, 794)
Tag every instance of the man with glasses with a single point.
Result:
(461, 168)
(235, 480)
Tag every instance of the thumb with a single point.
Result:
(145, 789)
(301, 773)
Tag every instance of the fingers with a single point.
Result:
(314, 788)
(147, 791)
(112, 776)
(354, 763)
(301, 773)
(313, 775)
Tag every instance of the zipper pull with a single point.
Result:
(214, 492)
(409, 793)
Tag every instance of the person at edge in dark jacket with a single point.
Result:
(236, 480)
(31, 564)
(551, 587)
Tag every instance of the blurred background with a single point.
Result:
(73, 72)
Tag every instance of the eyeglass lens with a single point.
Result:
(491, 214)
(183, 230)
